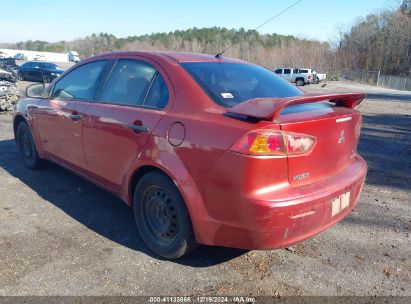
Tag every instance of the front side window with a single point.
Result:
(229, 84)
(128, 83)
(278, 71)
(79, 83)
(287, 71)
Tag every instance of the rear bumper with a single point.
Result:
(280, 222)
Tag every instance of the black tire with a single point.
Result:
(27, 148)
(300, 82)
(46, 78)
(20, 76)
(161, 216)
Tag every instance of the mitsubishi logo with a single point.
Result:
(341, 139)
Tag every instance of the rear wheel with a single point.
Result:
(20, 76)
(161, 216)
(300, 82)
(26, 146)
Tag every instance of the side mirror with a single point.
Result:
(36, 90)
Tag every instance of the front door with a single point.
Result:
(60, 123)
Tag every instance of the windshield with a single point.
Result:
(229, 84)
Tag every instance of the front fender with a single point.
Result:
(24, 110)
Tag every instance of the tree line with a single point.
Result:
(376, 42)
(379, 42)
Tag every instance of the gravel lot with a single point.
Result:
(61, 235)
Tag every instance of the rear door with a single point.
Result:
(287, 74)
(120, 123)
(24, 69)
(35, 72)
(60, 124)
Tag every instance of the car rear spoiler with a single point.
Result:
(271, 108)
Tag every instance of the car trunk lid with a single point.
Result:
(328, 117)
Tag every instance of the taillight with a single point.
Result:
(274, 143)
(309, 76)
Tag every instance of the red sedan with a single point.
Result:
(205, 150)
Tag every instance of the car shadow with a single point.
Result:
(393, 96)
(385, 144)
(95, 208)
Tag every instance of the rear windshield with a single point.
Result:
(229, 84)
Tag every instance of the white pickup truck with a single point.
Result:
(73, 56)
(299, 76)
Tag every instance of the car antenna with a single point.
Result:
(220, 55)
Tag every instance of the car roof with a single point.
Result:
(34, 61)
(177, 56)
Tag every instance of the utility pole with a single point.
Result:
(378, 78)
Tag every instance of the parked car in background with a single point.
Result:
(298, 76)
(3, 55)
(205, 150)
(20, 56)
(5, 74)
(10, 65)
(73, 56)
(39, 71)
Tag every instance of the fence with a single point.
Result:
(394, 82)
(372, 78)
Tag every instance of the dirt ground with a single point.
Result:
(61, 235)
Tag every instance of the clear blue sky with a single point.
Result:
(54, 20)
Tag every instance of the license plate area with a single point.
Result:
(339, 203)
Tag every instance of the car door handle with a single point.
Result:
(76, 117)
(139, 128)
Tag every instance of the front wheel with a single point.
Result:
(161, 216)
(20, 76)
(27, 148)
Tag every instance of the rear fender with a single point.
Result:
(158, 153)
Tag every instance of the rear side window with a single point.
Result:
(79, 83)
(128, 83)
(303, 71)
(229, 84)
(158, 94)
